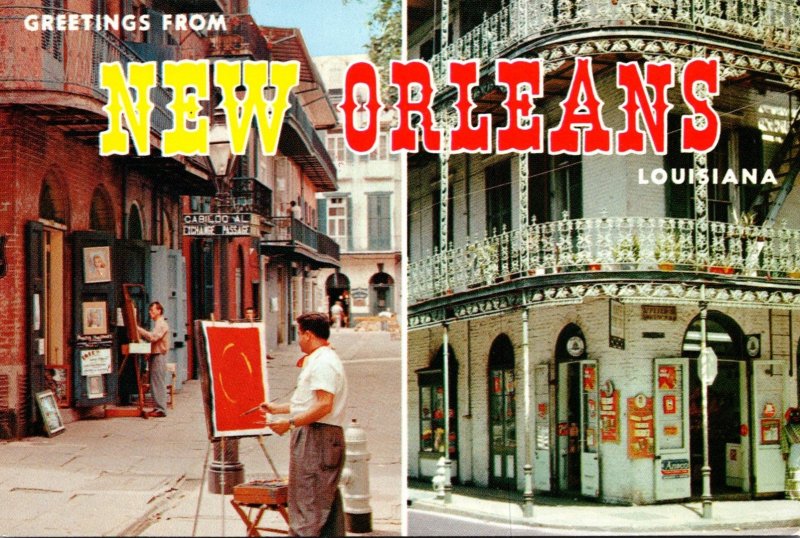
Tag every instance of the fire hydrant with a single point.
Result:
(355, 480)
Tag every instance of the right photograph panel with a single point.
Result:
(603, 261)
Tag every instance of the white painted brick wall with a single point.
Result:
(631, 370)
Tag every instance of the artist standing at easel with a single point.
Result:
(317, 444)
(159, 338)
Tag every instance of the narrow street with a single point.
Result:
(129, 476)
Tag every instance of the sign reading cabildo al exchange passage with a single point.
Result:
(220, 224)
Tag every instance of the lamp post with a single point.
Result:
(226, 471)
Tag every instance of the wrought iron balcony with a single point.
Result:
(66, 63)
(622, 244)
(241, 37)
(771, 24)
(292, 237)
(250, 196)
(302, 143)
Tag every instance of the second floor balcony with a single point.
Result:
(296, 239)
(770, 26)
(621, 248)
(250, 196)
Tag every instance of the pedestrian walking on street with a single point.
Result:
(317, 411)
(790, 448)
(159, 338)
(337, 311)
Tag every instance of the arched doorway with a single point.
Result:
(135, 226)
(432, 442)
(337, 287)
(101, 213)
(577, 393)
(502, 414)
(727, 402)
(380, 292)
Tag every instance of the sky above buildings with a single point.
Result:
(328, 26)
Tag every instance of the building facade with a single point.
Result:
(363, 216)
(77, 226)
(275, 269)
(565, 296)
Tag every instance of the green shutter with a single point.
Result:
(322, 215)
(349, 223)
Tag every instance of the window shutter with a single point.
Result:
(350, 223)
(322, 215)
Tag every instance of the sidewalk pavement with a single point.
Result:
(592, 517)
(131, 476)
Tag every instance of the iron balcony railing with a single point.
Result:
(64, 61)
(771, 24)
(250, 196)
(608, 244)
(299, 115)
(241, 37)
(290, 231)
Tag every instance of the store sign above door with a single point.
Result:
(221, 224)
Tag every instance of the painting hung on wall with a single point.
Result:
(96, 264)
(235, 372)
(57, 380)
(94, 318)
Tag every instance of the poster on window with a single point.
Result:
(640, 427)
(236, 375)
(609, 413)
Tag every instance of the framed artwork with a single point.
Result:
(234, 378)
(95, 388)
(57, 380)
(96, 264)
(95, 318)
(51, 417)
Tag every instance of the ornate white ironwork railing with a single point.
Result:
(772, 24)
(607, 244)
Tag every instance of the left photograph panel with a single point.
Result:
(200, 284)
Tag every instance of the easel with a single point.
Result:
(250, 500)
(133, 348)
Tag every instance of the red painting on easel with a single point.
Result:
(237, 375)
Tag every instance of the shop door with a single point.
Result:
(168, 277)
(503, 428)
(671, 414)
(589, 431)
(769, 378)
(542, 452)
(37, 314)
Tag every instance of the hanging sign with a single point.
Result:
(640, 427)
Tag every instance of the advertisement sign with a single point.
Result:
(640, 427)
(95, 361)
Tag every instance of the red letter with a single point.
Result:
(519, 103)
(699, 71)
(465, 137)
(581, 107)
(404, 136)
(637, 105)
(361, 140)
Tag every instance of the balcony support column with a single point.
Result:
(448, 485)
(524, 254)
(527, 495)
(444, 199)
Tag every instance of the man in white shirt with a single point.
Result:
(317, 445)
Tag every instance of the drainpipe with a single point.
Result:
(527, 495)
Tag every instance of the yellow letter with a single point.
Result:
(114, 140)
(269, 114)
(181, 139)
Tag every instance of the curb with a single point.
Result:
(438, 507)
